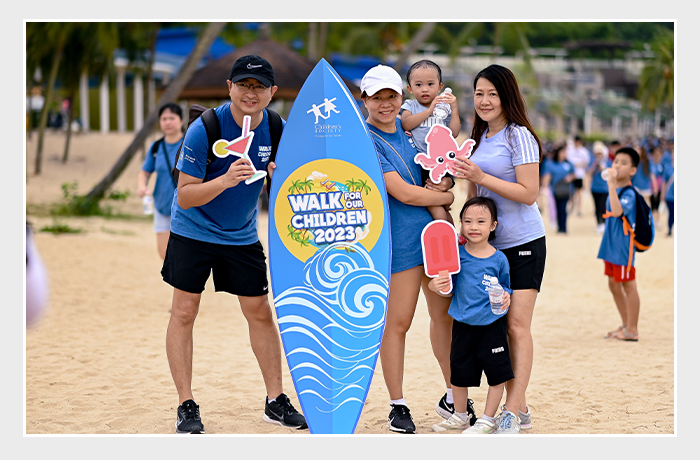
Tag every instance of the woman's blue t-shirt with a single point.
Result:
(231, 217)
(164, 188)
(406, 221)
(598, 184)
(558, 170)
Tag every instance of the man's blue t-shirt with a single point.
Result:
(406, 221)
(164, 189)
(615, 245)
(670, 184)
(470, 298)
(231, 217)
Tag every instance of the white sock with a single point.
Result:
(463, 415)
(487, 418)
(397, 402)
(449, 399)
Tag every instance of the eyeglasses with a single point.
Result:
(255, 87)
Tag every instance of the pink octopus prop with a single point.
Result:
(442, 151)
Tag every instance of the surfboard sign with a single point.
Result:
(330, 252)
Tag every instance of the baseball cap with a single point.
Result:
(253, 66)
(381, 77)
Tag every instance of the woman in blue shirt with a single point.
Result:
(161, 162)
(559, 173)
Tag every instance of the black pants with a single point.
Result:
(671, 214)
(561, 213)
(599, 200)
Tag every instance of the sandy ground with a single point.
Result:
(96, 362)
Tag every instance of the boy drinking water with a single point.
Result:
(615, 246)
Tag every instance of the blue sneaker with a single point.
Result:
(507, 422)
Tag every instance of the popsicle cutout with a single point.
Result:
(239, 147)
(442, 151)
(440, 250)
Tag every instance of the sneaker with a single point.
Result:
(525, 420)
(481, 427)
(188, 421)
(507, 422)
(400, 419)
(445, 409)
(280, 411)
(455, 422)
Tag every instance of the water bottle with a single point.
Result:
(147, 205)
(496, 294)
(605, 174)
(442, 110)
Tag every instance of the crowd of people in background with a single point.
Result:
(570, 169)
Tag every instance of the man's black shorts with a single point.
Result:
(480, 348)
(578, 183)
(527, 264)
(238, 270)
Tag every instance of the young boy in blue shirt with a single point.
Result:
(479, 336)
(615, 246)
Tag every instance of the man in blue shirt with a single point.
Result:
(214, 230)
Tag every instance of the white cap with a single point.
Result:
(381, 77)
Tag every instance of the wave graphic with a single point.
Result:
(331, 328)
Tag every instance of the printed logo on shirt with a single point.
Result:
(264, 152)
(524, 253)
(497, 350)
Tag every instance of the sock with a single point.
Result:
(487, 418)
(397, 402)
(449, 399)
(524, 414)
(463, 415)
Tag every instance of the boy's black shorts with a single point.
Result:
(480, 348)
(238, 270)
(527, 264)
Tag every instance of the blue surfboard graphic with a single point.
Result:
(330, 252)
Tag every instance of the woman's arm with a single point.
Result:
(413, 194)
(524, 190)
(192, 191)
(142, 183)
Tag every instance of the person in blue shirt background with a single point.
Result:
(599, 188)
(559, 174)
(161, 162)
(669, 191)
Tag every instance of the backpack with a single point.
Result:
(643, 232)
(211, 125)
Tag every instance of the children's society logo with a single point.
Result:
(324, 112)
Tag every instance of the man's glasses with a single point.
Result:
(255, 87)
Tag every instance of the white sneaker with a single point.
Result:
(600, 229)
(481, 427)
(507, 422)
(455, 422)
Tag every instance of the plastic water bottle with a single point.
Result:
(605, 174)
(147, 205)
(496, 294)
(442, 110)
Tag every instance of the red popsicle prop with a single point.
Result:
(440, 250)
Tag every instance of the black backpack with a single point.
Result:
(643, 231)
(211, 125)
(154, 151)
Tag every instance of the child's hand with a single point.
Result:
(441, 283)
(506, 301)
(449, 98)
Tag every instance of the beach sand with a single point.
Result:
(96, 362)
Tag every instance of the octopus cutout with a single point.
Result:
(442, 151)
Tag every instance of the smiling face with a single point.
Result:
(247, 100)
(487, 104)
(477, 224)
(383, 108)
(424, 85)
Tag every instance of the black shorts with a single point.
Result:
(477, 349)
(527, 264)
(238, 270)
(578, 183)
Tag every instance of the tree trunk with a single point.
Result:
(45, 110)
(416, 42)
(171, 93)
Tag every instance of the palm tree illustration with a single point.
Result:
(351, 184)
(363, 187)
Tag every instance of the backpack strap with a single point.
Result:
(275, 121)
(156, 146)
(211, 125)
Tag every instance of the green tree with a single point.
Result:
(656, 80)
(206, 38)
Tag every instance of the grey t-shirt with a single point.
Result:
(421, 131)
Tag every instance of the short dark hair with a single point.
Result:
(425, 64)
(487, 203)
(632, 154)
(173, 107)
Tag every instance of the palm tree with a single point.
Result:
(294, 187)
(307, 183)
(209, 34)
(363, 187)
(656, 80)
(350, 184)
